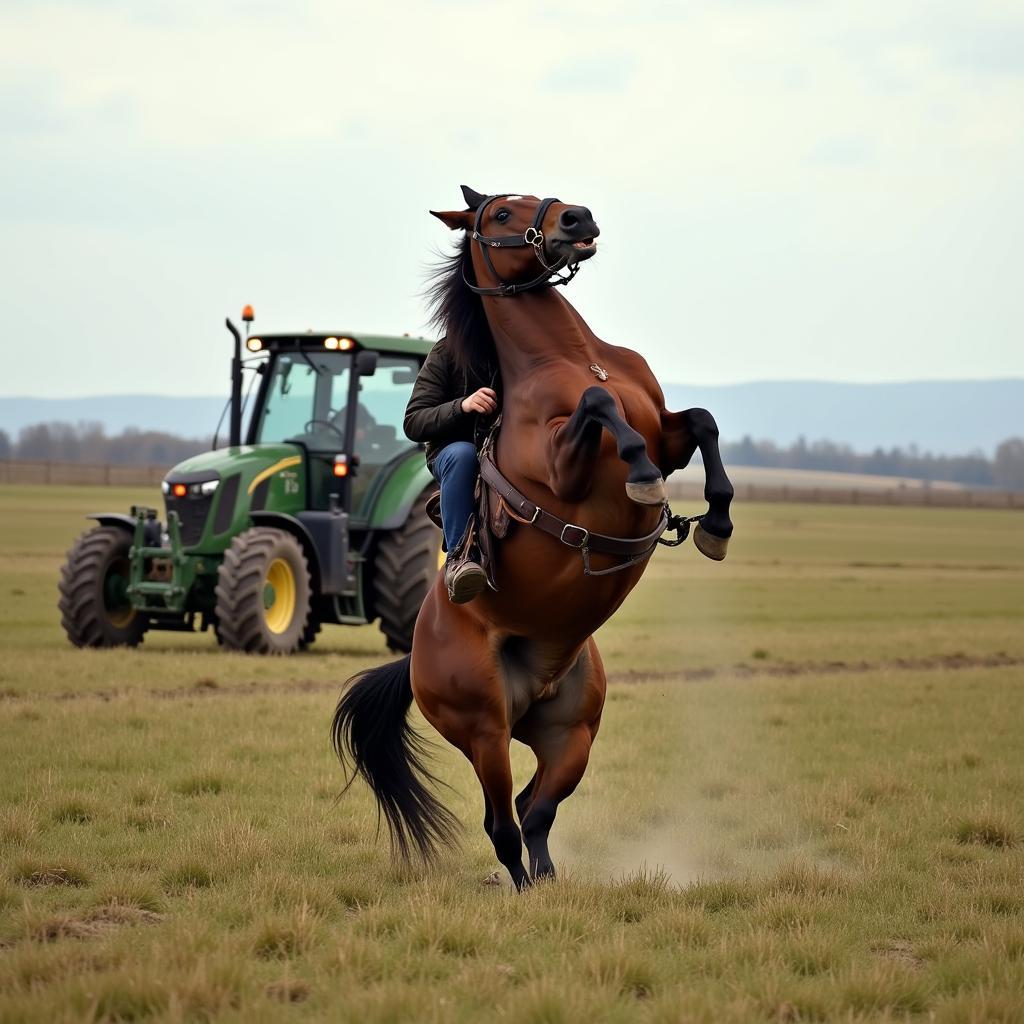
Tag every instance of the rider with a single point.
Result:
(449, 410)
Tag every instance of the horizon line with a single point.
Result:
(732, 384)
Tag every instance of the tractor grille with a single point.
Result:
(192, 514)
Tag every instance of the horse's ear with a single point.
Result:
(457, 220)
(473, 199)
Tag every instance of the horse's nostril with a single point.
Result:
(568, 219)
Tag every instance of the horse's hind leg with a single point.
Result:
(682, 434)
(577, 443)
(524, 798)
(565, 752)
(489, 754)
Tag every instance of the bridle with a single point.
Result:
(534, 236)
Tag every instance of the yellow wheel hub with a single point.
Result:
(279, 596)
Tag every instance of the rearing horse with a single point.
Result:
(585, 444)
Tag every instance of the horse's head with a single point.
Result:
(522, 240)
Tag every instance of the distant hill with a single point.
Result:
(945, 417)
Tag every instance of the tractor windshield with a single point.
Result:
(306, 399)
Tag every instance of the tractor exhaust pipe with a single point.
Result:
(235, 421)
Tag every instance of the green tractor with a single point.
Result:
(316, 517)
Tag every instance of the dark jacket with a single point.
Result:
(434, 414)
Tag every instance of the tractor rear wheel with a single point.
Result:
(263, 593)
(403, 571)
(311, 632)
(94, 604)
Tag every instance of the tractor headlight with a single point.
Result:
(207, 487)
(165, 487)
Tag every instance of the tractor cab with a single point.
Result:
(305, 398)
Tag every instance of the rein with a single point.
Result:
(534, 236)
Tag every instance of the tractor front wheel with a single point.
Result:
(94, 604)
(263, 593)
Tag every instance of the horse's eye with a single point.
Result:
(503, 215)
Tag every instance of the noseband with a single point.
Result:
(534, 236)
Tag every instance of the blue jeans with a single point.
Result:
(455, 469)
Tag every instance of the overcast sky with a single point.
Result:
(784, 189)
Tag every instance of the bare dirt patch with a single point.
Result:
(94, 923)
(900, 951)
(56, 875)
(203, 690)
(939, 662)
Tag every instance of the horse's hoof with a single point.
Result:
(650, 493)
(710, 545)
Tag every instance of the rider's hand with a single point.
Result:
(483, 401)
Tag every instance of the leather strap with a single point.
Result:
(572, 536)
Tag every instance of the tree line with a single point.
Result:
(88, 442)
(1005, 470)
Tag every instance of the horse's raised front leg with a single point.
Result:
(682, 433)
(575, 446)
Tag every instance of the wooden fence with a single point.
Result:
(17, 471)
(78, 473)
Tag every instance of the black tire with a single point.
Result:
(403, 570)
(311, 632)
(245, 582)
(94, 608)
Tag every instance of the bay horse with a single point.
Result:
(585, 442)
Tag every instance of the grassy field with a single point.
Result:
(806, 803)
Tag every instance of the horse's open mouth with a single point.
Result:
(578, 250)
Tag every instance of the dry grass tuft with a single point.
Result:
(290, 990)
(17, 825)
(146, 820)
(284, 937)
(186, 875)
(74, 812)
(986, 832)
(203, 784)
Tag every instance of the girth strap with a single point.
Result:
(583, 540)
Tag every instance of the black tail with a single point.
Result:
(370, 727)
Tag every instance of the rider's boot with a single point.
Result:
(464, 580)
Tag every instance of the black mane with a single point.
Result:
(458, 313)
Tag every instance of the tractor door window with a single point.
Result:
(380, 436)
(306, 400)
